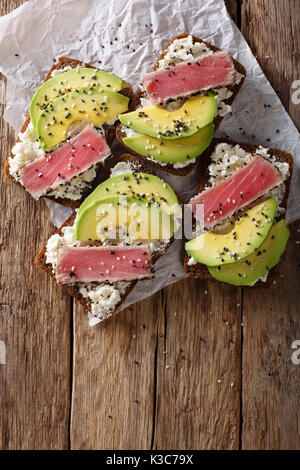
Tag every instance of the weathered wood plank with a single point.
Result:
(113, 379)
(197, 397)
(234, 8)
(34, 322)
(198, 367)
(271, 28)
(181, 406)
(271, 382)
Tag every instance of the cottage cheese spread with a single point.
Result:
(24, 151)
(103, 297)
(56, 72)
(120, 169)
(226, 159)
(29, 149)
(178, 51)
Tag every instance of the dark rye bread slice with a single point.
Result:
(109, 133)
(40, 259)
(218, 119)
(200, 271)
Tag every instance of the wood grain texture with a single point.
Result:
(271, 382)
(196, 366)
(113, 379)
(34, 322)
(271, 27)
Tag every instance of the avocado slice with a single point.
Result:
(80, 77)
(92, 104)
(256, 265)
(195, 113)
(123, 217)
(170, 151)
(247, 234)
(143, 185)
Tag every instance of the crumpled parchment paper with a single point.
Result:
(125, 37)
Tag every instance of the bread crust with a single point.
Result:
(217, 121)
(109, 134)
(40, 259)
(200, 271)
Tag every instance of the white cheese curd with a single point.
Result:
(184, 164)
(24, 151)
(172, 106)
(226, 159)
(174, 164)
(129, 132)
(56, 72)
(121, 168)
(103, 297)
(222, 94)
(192, 261)
(238, 77)
(56, 242)
(183, 49)
(52, 250)
(157, 246)
(283, 167)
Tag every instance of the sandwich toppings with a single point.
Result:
(235, 192)
(120, 226)
(171, 126)
(75, 157)
(243, 246)
(186, 50)
(189, 77)
(43, 159)
(103, 263)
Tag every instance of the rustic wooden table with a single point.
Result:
(194, 367)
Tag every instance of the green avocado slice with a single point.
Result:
(256, 265)
(93, 105)
(246, 235)
(195, 113)
(65, 82)
(171, 151)
(141, 185)
(123, 217)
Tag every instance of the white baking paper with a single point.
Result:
(125, 37)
